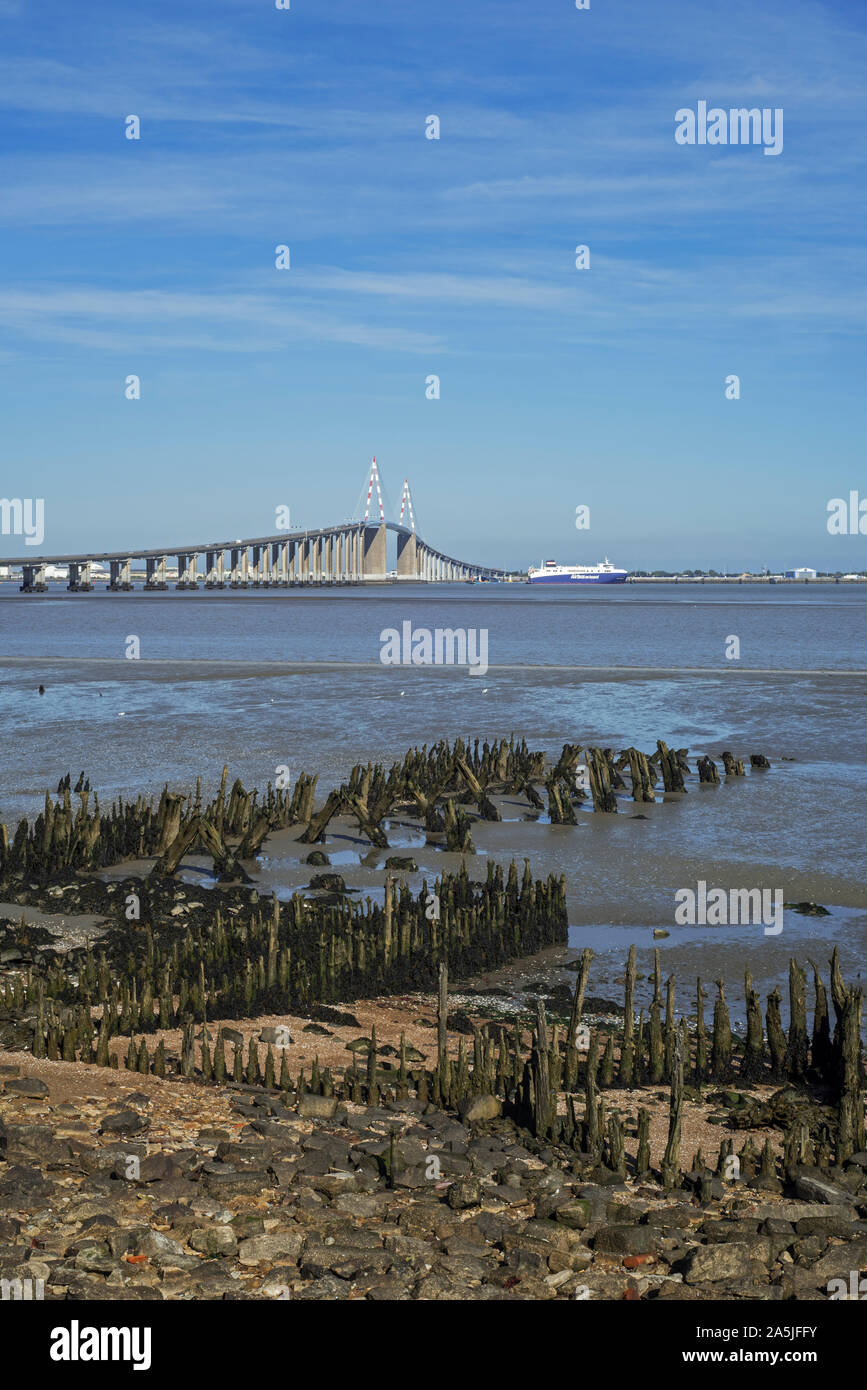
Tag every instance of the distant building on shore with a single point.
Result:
(803, 573)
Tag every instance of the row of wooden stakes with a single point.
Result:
(437, 783)
(530, 1080)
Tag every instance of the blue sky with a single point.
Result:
(454, 257)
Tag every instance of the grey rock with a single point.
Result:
(576, 1213)
(463, 1193)
(713, 1263)
(480, 1108)
(628, 1240)
(346, 1263)
(214, 1241)
(158, 1245)
(329, 1288)
(95, 1258)
(25, 1184)
(839, 1260)
(30, 1086)
(123, 1122)
(814, 1186)
(224, 1182)
(312, 1107)
(279, 1246)
(777, 1226)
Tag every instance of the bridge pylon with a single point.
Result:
(374, 480)
(407, 556)
(374, 562)
(406, 506)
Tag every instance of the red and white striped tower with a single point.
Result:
(406, 504)
(374, 478)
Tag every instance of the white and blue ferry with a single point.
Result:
(552, 573)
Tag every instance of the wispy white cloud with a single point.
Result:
(157, 319)
(433, 312)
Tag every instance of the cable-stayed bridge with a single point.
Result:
(350, 552)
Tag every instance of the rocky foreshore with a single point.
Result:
(139, 1188)
(209, 1092)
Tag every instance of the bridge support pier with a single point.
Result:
(407, 556)
(79, 577)
(188, 571)
(119, 575)
(240, 561)
(276, 566)
(155, 572)
(374, 561)
(256, 566)
(348, 557)
(32, 579)
(214, 569)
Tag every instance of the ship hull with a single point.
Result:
(578, 579)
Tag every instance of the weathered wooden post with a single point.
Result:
(627, 1047)
(776, 1036)
(657, 1046)
(604, 798)
(616, 1146)
(700, 1035)
(669, 766)
(850, 1137)
(733, 766)
(671, 1160)
(753, 1063)
(575, 1019)
(796, 1054)
(372, 1078)
(821, 1051)
(591, 1116)
(721, 1049)
(639, 771)
(707, 771)
(668, 1031)
(442, 1028)
(642, 1160)
(541, 1075)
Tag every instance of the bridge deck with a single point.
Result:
(201, 548)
